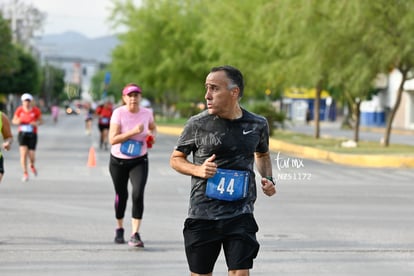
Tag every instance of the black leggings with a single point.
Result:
(121, 171)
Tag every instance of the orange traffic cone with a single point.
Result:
(91, 157)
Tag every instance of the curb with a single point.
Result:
(169, 130)
(356, 160)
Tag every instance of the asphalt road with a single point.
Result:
(326, 219)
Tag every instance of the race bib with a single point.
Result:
(26, 128)
(131, 148)
(228, 185)
(105, 121)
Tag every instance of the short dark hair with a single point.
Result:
(233, 74)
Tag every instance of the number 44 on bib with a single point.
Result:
(228, 185)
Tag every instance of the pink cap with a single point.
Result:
(131, 88)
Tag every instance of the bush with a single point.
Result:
(187, 109)
(267, 110)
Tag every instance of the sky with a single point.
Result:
(88, 17)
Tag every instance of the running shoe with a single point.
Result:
(119, 235)
(25, 177)
(135, 241)
(33, 169)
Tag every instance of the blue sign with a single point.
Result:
(107, 78)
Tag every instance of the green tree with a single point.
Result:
(239, 37)
(351, 66)
(160, 51)
(53, 83)
(25, 79)
(391, 41)
(8, 55)
(300, 47)
(170, 45)
(317, 44)
(371, 37)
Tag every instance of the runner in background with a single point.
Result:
(88, 118)
(55, 112)
(104, 113)
(28, 117)
(131, 125)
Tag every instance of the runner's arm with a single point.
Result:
(6, 132)
(180, 163)
(264, 166)
(116, 137)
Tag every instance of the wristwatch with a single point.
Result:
(271, 179)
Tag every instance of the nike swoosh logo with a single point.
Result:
(247, 132)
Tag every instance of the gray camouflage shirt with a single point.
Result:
(234, 143)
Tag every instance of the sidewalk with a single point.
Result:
(332, 129)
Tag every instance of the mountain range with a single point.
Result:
(75, 45)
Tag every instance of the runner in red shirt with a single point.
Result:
(104, 113)
(28, 118)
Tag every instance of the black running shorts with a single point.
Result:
(28, 139)
(203, 240)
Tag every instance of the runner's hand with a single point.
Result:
(268, 187)
(138, 128)
(208, 168)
